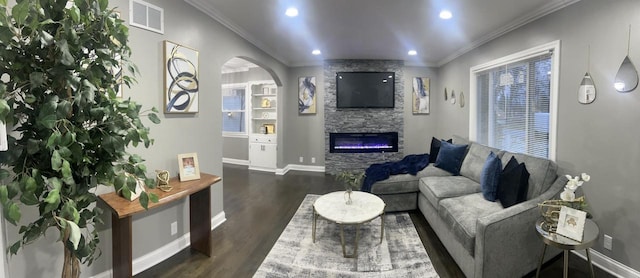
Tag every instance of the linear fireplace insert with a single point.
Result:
(363, 142)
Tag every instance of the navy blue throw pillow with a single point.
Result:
(435, 148)
(450, 157)
(490, 177)
(514, 183)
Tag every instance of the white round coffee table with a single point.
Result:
(364, 208)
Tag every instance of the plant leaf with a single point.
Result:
(74, 233)
(20, 12)
(144, 200)
(12, 213)
(153, 197)
(4, 109)
(15, 247)
(56, 160)
(154, 118)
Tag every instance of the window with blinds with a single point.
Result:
(233, 109)
(513, 103)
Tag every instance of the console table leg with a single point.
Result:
(590, 263)
(200, 221)
(566, 264)
(544, 249)
(121, 244)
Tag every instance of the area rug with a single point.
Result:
(401, 253)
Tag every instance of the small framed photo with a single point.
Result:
(189, 167)
(571, 223)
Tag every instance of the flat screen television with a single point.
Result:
(365, 90)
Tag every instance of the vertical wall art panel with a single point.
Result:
(420, 95)
(180, 78)
(307, 95)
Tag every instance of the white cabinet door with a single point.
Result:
(262, 156)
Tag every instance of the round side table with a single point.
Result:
(590, 235)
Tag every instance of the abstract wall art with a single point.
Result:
(420, 95)
(181, 80)
(307, 95)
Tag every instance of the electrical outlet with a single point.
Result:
(174, 228)
(301, 159)
(313, 160)
(608, 242)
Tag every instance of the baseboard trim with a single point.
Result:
(157, 256)
(607, 264)
(235, 161)
(298, 167)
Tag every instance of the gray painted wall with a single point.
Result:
(303, 134)
(419, 128)
(176, 134)
(601, 138)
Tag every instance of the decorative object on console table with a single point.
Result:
(189, 166)
(421, 96)
(181, 83)
(307, 95)
(162, 180)
(132, 195)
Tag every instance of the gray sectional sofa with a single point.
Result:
(485, 239)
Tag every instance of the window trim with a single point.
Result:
(233, 134)
(553, 46)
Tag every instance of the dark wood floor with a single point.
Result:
(258, 207)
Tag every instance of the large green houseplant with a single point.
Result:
(69, 132)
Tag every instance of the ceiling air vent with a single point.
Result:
(146, 16)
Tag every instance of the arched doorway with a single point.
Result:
(250, 122)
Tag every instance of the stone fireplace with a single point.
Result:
(361, 120)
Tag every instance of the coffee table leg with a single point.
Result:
(565, 273)
(344, 253)
(315, 219)
(544, 249)
(590, 263)
(381, 227)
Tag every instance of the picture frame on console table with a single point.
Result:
(181, 78)
(189, 166)
(571, 223)
(420, 95)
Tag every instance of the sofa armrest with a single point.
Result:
(506, 241)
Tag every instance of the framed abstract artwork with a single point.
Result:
(189, 166)
(307, 95)
(181, 79)
(420, 104)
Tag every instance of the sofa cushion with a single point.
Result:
(514, 182)
(435, 148)
(406, 183)
(461, 214)
(475, 158)
(438, 188)
(542, 172)
(450, 157)
(490, 177)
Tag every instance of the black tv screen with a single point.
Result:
(365, 89)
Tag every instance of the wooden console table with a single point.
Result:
(122, 210)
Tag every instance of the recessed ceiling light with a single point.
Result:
(316, 52)
(446, 14)
(412, 53)
(291, 12)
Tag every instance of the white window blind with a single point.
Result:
(233, 109)
(513, 104)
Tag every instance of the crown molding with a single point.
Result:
(206, 8)
(521, 21)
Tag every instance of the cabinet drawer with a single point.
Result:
(261, 139)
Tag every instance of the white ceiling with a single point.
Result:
(373, 29)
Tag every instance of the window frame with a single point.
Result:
(554, 47)
(244, 86)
